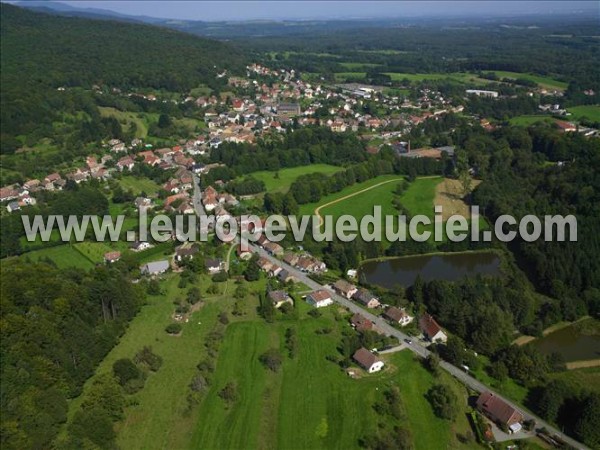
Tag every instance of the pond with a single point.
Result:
(576, 342)
(451, 266)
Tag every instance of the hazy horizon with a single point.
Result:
(330, 10)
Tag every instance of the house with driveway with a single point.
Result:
(367, 360)
(319, 299)
(500, 412)
(431, 329)
(344, 288)
(365, 298)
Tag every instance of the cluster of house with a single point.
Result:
(304, 262)
(186, 252)
(17, 196)
(274, 270)
(216, 201)
(164, 158)
(268, 100)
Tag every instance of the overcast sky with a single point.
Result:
(251, 10)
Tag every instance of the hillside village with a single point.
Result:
(267, 103)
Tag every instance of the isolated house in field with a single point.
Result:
(155, 267)
(319, 299)
(111, 257)
(365, 298)
(367, 360)
(361, 323)
(431, 329)
(397, 315)
(279, 298)
(499, 411)
(344, 288)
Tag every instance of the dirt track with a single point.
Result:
(319, 208)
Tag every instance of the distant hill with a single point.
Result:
(41, 52)
(91, 13)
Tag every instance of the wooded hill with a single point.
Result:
(42, 52)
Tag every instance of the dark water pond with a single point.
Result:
(571, 344)
(403, 271)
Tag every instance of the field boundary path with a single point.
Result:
(346, 197)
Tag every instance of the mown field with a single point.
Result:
(141, 121)
(281, 180)
(309, 208)
(311, 403)
(527, 120)
(542, 81)
(64, 256)
(591, 112)
(138, 185)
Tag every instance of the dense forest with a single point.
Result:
(42, 52)
(57, 325)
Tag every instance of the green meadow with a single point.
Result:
(591, 112)
(281, 180)
(138, 185)
(64, 256)
(309, 403)
(309, 208)
(543, 81)
(527, 120)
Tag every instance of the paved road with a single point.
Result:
(380, 323)
(415, 346)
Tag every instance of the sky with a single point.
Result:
(302, 10)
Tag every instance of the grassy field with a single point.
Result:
(94, 251)
(309, 208)
(64, 256)
(355, 73)
(138, 185)
(527, 120)
(542, 81)
(310, 403)
(155, 416)
(281, 180)
(419, 197)
(592, 112)
(127, 118)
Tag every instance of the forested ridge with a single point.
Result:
(57, 325)
(42, 52)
